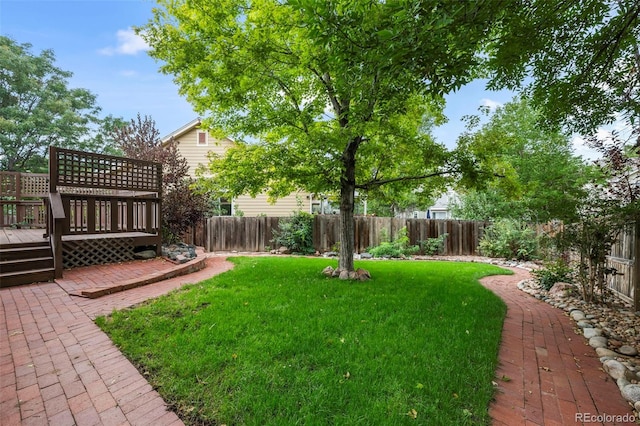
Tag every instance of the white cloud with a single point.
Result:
(129, 43)
(493, 105)
(128, 73)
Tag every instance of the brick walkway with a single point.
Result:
(58, 368)
(547, 374)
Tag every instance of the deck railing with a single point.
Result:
(103, 198)
(21, 199)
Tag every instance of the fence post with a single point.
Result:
(635, 279)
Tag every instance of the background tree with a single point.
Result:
(334, 92)
(38, 109)
(181, 206)
(542, 179)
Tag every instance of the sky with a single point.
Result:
(94, 40)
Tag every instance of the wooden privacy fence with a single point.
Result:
(21, 199)
(624, 260)
(254, 234)
(462, 238)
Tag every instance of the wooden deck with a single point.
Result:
(21, 236)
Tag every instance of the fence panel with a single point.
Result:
(623, 259)
(254, 234)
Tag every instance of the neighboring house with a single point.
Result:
(194, 144)
(440, 209)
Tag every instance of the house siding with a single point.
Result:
(196, 155)
(260, 205)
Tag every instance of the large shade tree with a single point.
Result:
(38, 109)
(333, 92)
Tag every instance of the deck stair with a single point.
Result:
(25, 263)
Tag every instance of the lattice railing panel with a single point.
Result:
(97, 251)
(15, 185)
(89, 170)
(8, 184)
(34, 185)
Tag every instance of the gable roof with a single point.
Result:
(182, 130)
(193, 124)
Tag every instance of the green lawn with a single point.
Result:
(275, 342)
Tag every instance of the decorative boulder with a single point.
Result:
(328, 271)
(628, 350)
(146, 254)
(362, 275)
(617, 370)
(631, 393)
(561, 289)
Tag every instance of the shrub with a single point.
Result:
(510, 239)
(553, 272)
(433, 246)
(295, 233)
(181, 208)
(398, 248)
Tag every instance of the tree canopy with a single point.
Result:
(579, 60)
(333, 93)
(38, 109)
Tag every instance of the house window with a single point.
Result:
(203, 138)
(225, 206)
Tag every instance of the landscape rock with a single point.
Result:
(617, 370)
(328, 271)
(598, 342)
(585, 324)
(284, 250)
(590, 332)
(628, 350)
(362, 275)
(614, 326)
(561, 289)
(145, 254)
(604, 352)
(631, 393)
(330, 254)
(622, 382)
(366, 256)
(577, 315)
(344, 275)
(180, 252)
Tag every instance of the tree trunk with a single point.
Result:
(347, 198)
(347, 232)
